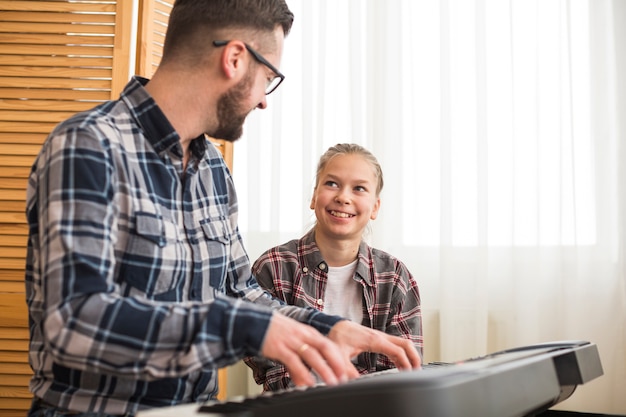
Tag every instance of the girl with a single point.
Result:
(332, 269)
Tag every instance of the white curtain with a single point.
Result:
(500, 127)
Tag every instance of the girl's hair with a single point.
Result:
(351, 149)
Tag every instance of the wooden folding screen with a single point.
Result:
(57, 57)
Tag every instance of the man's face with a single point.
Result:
(232, 111)
(234, 106)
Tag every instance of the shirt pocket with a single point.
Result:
(217, 237)
(153, 262)
(151, 228)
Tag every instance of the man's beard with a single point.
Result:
(230, 115)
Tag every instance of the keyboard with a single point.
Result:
(523, 381)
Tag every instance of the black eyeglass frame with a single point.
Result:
(263, 61)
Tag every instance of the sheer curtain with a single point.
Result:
(499, 125)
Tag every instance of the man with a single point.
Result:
(137, 282)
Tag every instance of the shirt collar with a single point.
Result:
(155, 125)
(314, 257)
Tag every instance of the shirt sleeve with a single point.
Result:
(86, 321)
(269, 269)
(406, 318)
(266, 372)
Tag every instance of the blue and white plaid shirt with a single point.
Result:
(137, 281)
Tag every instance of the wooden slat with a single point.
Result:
(158, 39)
(13, 229)
(13, 263)
(19, 150)
(38, 105)
(56, 6)
(52, 39)
(13, 286)
(13, 312)
(45, 28)
(14, 351)
(13, 241)
(12, 192)
(11, 407)
(13, 357)
(22, 138)
(12, 217)
(23, 127)
(53, 18)
(15, 368)
(14, 380)
(18, 184)
(39, 116)
(14, 392)
(14, 195)
(54, 61)
(23, 405)
(162, 8)
(13, 206)
(12, 252)
(53, 72)
(12, 334)
(50, 50)
(55, 95)
(70, 83)
(14, 172)
(8, 275)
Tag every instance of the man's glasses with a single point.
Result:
(271, 84)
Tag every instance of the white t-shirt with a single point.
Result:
(344, 295)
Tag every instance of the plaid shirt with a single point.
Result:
(296, 273)
(137, 282)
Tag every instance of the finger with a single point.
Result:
(352, 371)
(400, 351)
(330, 362)
(300, 373)
(414, 356)
(315, 359)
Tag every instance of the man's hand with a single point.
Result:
(354, 338)
(297, 345)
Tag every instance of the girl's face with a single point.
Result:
(345, 197)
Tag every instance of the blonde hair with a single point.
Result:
(351, 149)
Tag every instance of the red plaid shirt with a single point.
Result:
(296, 273)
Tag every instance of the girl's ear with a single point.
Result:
(375, 209)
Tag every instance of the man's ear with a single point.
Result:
(233, 58)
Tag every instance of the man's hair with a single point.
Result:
(351, 149)
(193, 23)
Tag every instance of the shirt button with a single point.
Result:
(322, 266)
(305, 269)
(320, 302)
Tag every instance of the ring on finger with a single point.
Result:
(302, 348)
